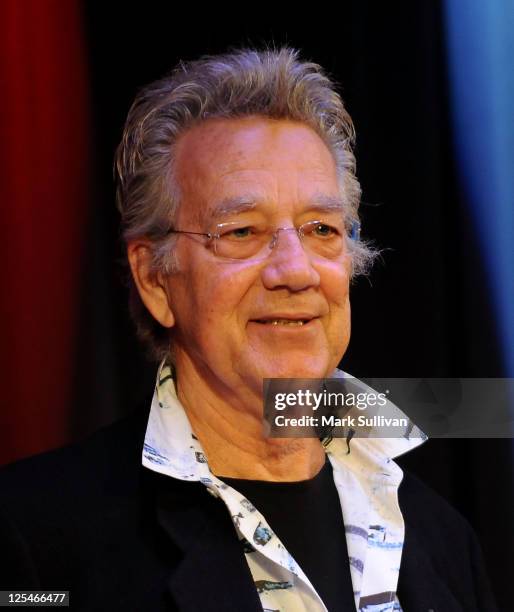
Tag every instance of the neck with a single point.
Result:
(230, 430)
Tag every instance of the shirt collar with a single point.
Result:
(171, 448)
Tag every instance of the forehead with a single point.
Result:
(276, 161)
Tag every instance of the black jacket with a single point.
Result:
(90, 519)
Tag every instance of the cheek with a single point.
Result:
(336, 285)
(219, 292)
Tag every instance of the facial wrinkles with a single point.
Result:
(238, 273)
(245, 158)
(228, 167)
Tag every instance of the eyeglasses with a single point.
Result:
(236, 240)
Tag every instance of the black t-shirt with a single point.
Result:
(307, 517)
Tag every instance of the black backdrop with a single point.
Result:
(423, 312)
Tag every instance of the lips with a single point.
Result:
(296, 322)
(291, 320)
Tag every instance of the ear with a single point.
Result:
(151, 285)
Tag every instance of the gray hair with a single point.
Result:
(270, 83)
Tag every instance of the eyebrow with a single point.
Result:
(240, 204)
(235, 205)
(326, 203)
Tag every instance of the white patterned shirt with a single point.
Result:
(367, 482)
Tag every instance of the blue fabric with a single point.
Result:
(480, 47)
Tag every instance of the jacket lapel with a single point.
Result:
(212, 574)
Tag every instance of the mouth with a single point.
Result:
(289, 322)
(301, 319)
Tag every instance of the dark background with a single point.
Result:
(424, 311)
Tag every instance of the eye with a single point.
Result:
(241, 232)
(238, 233)
(323, 230)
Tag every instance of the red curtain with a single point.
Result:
(44, 194)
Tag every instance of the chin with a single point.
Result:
(308, 367)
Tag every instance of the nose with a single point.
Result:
(288, 264)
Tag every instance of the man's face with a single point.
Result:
(231, 318)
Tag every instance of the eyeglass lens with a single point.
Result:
(234, 240)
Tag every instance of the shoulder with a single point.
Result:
(432, 522)
(432, 518)
(68, 490)
(83, 518)
(88, 466)
(65, 511)
(441, 551)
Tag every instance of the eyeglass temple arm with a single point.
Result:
(172, 231)
(355, 230)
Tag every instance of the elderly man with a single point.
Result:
(238, 196)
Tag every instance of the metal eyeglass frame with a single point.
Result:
(354, 233)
